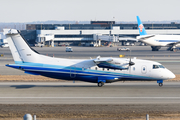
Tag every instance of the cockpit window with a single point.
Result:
(155, 66)
(158, 66)
(161, 66)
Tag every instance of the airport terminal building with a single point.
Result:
(93, 33)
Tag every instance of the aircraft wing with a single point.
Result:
(174, 43)
(103, 60)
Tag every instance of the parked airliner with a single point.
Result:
(99, 70)
(157, 41)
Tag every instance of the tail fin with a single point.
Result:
(142, 30)
(20, 49)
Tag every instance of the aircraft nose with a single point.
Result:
(170, 75)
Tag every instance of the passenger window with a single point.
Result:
(155, 66)
(144, 68)
(96, 68)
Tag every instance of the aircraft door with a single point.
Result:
(144, 69)
(73, 71)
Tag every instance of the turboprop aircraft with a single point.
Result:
(157, 41)
(99, 70)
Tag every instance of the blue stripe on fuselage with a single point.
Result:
(167, 40)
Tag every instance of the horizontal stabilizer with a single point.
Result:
(10, 31)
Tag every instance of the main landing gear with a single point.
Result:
(160, 83)
(100, 83)
(155, 48)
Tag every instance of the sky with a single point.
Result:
(87, 10)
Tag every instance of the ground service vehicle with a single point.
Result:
(123, 49)
(69, 49)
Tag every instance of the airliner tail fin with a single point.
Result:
(142, 30)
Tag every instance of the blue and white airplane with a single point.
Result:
(99, 70)
(157, 41)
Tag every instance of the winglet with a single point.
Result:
(142, 30)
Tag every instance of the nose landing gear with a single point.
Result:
(160, 83)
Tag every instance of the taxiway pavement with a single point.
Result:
(89, 93)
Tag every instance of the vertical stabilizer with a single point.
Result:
(20, 50)
(142, 30)
(15, 54)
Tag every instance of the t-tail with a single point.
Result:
(142, 30)
(20, 49)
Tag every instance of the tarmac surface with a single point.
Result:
(89, 93)
(86, 52)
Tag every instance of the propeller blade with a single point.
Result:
(131, 63)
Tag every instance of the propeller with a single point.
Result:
(130, 63)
